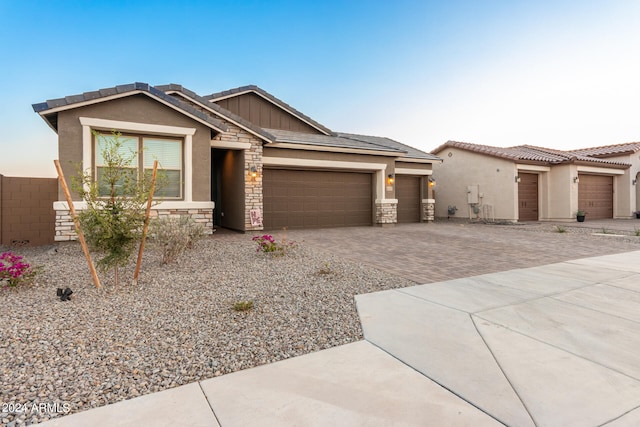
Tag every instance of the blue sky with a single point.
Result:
(558, 74)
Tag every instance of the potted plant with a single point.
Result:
(637, 214)
(580, 215)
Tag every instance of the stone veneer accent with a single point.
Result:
(65, 229)
(428, 210)
(386, 211)
(252, 157)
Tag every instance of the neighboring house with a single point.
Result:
(527, 183)
(628, 185)
(243, 159)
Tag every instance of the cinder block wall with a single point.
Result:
(26, 210)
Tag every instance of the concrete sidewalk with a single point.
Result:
(556, 345)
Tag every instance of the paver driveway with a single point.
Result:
(427, 253)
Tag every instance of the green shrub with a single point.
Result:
(243, 305)
(175, 235)
(560, 229)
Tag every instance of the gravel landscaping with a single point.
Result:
(175, 327)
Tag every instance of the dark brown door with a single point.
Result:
(595, 196)
(408, 195)
(528, 197)
(315, 199)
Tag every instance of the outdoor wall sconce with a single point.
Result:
(634, 182)
(390, 179)
(253, 172)
(432, 181)
(517, 179)
(576, 180)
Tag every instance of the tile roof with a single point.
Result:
(215, 107)
(329, 141)
(609, 150)
(253, 88)
(528, 153)
(69, 101)
(413, 153)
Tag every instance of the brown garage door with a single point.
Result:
(528, 197)
(313, 199)
(595, 196)
(408, 195)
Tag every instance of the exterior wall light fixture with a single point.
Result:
(432, 181)
(634, 182)
(253, 172)
(517, 179)
(576, 180)
(390, 179)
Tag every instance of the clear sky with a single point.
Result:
(560, 74)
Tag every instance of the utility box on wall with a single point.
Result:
(472, 194)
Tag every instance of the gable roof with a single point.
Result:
(609, 150)
(272, 99)
(49, 110)
(173, 88)
(529, 154)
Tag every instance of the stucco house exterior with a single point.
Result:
(527, 183)
(243, 159)
(628, 187)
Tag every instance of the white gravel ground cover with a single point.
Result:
(176, 327)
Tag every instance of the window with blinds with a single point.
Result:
(140, 152)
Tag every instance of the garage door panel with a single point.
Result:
(316, 198)
(595, 195)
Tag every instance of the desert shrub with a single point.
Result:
(243, 305)
(268, 244)
(175, 235)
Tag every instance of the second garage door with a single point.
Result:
(314, 199)
(595, 196)
(408, 195)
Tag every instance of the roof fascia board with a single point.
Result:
(274, 103)
(217, 113)
(313, 147)
(418, 160)
(124, 95)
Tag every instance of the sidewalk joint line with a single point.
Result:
(524, 405)
(209, 403)
(436, 382)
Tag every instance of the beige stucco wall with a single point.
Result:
(138, 109)
(494, 177)
(561, 193)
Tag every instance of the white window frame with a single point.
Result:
(89, 124)
(140, 153)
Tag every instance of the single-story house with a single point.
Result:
(628, 188)
(527, 183)
(243, 159)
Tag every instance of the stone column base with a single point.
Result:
(428, 210)
(386, 212)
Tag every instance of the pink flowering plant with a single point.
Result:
(268, 244)
(13, 271)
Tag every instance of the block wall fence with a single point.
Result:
(27, 217)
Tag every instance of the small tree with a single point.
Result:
(116, 198)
